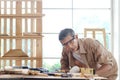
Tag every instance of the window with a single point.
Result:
(76, 14)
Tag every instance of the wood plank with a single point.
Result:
(20, 58)
(26, 28)
(39, 41)
(5, 7)
(0, 33)
(5, 32)
(11, 6)
(10, 62)
(0, 8)
(32, 30)
(0, 39)
(20, 37)
(22, 15)
(18, 29)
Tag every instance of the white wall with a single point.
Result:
(119, 32)
(116, 32)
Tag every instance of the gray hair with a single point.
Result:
(65, 32)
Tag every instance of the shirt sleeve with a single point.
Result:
(64, 60)
(102, 55)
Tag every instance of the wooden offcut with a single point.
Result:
(15, 53)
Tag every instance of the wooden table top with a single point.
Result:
(37, 77)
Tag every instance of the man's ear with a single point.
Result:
(76, 36)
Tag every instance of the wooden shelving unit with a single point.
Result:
(15, 23)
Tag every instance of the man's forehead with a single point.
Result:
(67, 38)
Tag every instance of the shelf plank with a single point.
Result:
(22, 15)
(20, 37)
(20, 58)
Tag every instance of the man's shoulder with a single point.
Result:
(87, 39)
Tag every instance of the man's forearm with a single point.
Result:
(104, 68)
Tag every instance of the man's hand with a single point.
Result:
(78, 63)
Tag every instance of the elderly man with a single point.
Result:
(86, 53)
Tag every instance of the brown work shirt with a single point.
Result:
(93, 54)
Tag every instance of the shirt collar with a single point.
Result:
(81, 48)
